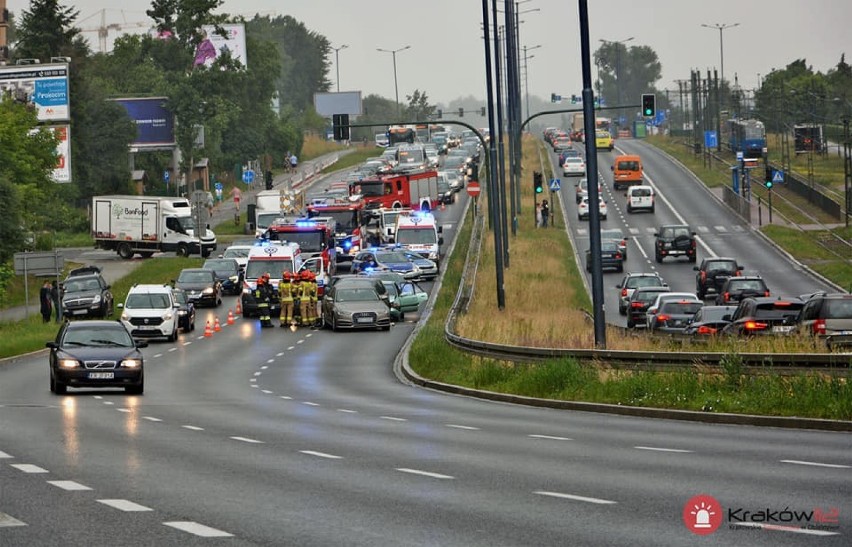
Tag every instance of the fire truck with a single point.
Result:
(315, 237)
(348, 218)
(416, 190)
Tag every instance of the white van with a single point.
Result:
(150, 311)
(640, 198)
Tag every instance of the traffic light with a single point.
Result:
(767, 179)
(340, 126)
(461, 112)
(553, 97)
(575, 99)
(440, 113)
(649, 105)
(538, 182)
(482, 111)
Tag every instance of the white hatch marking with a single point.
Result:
(198, 529)
(69, 485)
(6, 521)
(29, 468)
(720, 228)
(4, 455)
(703, 229)
(125, 505)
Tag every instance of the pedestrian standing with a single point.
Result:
(56, 299)
(538, 216)
(46, 301)
(296, 291)
(263, 296)
(545, 213)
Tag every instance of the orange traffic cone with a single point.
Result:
(230, 317)
(207, 331)
(239, 308)
(216, 326)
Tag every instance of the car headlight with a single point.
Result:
(96, 299)
(125, 317)
(182, 312)
(246, 290)
(208, 290)
(433, 255)
(168, 316)
(234, 278)
(131, 363)
(69, 363)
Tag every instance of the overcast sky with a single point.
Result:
(446, 58)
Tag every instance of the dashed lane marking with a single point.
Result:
(347, 411)
(574, 497)
(69, 485)
(198, 529)
(29, 468)
(817, 464)
(172, 349)
(125, 505)
(309, 403)
(258, 373)
(321, 454)
(6, 520)
(286, 397)
(151, 419)
(393, 419)
(124, 409)
(108, 403)
(187, 343)
(270, 360)
(279, 354)
(655, 449)
(264, 367)
(465, 427)
(193, 427)
(247, 440)
(268, 392)
(424, 473)
(551, 438)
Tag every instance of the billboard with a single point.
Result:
(344, 102)
(155, 126)
(62, 171)
(45, 87)
(214, 44)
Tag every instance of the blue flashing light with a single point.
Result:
(306, 223)
(347, 244)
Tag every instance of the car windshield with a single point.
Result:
(640, 192)
(180, 297)
(681, 308)
(644, 281)
(275, 268)
(221, 265)
(98, 337)
(195, 277)
(391, 258)
(777, 310)
(356, 295)
(576, 160)
(681, 231)
(612, 234)
(713, 313)
(147, 301)
(646, 296)
(746, 285)
(609, 246)
(79, 285)
(416, 236)
(235, 253)
(453, 161)
(721, 266)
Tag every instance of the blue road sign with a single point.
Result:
(166, 176)
(218, 186)
(248, 176)
(777, 176)
(711, 139)
(555, 185)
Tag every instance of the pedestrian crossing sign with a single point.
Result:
(777, 176)
(555, 184)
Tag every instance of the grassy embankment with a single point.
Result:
(542, 309)
(804, 245)
(31, 334)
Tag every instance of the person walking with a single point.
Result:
(46, 301)
(545, 213)
(285, 295)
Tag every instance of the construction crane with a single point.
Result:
(104, 28)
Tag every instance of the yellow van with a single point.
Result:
(603, 140)
(626, 171)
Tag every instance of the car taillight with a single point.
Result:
(754, 325)
(692, 244)
(623, 292)
(703, 329)
(663, 317)
(726, 296)
(765, 293)
(618, 256)
(738, 273)
(819, 326)
(636, 305)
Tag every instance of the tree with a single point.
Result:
(624, 74)
(46, 31)
(418, 106)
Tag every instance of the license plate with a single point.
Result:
(79, 312)
(364, 320)
(782, 329)
(101, 375)
(147, 327)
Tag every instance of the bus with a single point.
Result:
(401, 135)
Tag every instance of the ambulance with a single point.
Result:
(274, 258)
(420, 233)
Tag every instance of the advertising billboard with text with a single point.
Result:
(62, 171)
(44, 87)
(155, 126)
(214, 44)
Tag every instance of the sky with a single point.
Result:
(446, 58)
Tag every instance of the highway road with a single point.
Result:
(273, 437)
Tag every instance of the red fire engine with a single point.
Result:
(416, 190)
(348, 220)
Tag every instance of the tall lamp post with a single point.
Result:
(617, 66)
(721, 27)
(337, 62)
(395, 84)
(526, 75)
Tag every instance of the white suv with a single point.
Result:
(640, 197)
(150, 311)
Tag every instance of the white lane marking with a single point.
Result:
(291, 348)
(582, 231)
(300, 342)
(6, 521)
(641, 250)
(200, 337)
(4, 455)
(279, 354)
(29, 468)
(258, 373)
(264, 367)
(347, 411)
(253, 380)
(703, 229)
(675, 450)
(634, 231)
(720, 228)
(287, 397)
(69, 485)
(651, 230)
(172, 349)
(124, 505)
(187, 343)
(573, 497)
(682, 220)
(321, 454)
(270, 360)
(98, 397)
(551, 438)
(424, 473)
(393, 419)
(738, 228)
(193, 427)
(247, 440)
(309, 335)
(124, 409)
(198, 529)
(817, 464)
(465, 427)
(309, 403)
(156, 355)
(254, 385)
(780, 528)
(108, 403)
(151, 419)
(266, 391)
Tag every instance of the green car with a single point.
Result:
(404, 297)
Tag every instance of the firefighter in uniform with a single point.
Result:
(296, 291)
(285, 295)
(263, 295)
(309, 299)
(314, 299)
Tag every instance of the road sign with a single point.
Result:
(777, 176)
(711, 139)
(473, 188)
(555, 185)
(166, 176)
(218, 186)
(248, 176)
(740, 156)
(39, 264)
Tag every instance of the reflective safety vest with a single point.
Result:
(285, 291)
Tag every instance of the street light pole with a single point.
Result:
(395, 84)
(720, 27)
(526, 75)
(337, 62)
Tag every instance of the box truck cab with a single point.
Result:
(626, 171)
(420, 233)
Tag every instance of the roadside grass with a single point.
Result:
(357, 156)
(15, 293)
(230, 228)
(315, 146)
(827, 168)
(29, 335)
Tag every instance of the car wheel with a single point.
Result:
(125, 252)
(620, 267)
(658, 258)
(192, 325)
(622, 310)
(205, 253)
(630, 323)
(174, 335)
(693, 259)
(334, 324)
(52, 384)
(59, 388)
(652, 209)
(387, 328)
(182, 250)
(700, 294)
(401, 317)
(138, 389)
(629, 209)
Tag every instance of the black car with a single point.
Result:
(675, 240)
(228, 273)
(673, 316)
(95, 353)
(610, 256)
(185, 311)
(712, 274)
(736, 288)
(764, 315)
(201, 286)
(85, 293)
(640, 301)
(828, 316)
(709, 320)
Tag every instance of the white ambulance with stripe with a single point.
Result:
(420, 233)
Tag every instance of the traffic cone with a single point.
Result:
(216, 326)
(207, 331)
(230, 317)
(239, 308)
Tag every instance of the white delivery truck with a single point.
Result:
(267, 209)
(147, 225)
